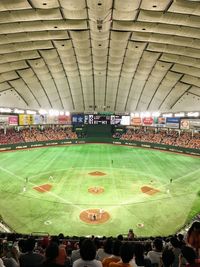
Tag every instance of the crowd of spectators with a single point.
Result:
(10, 137)
(165, 137)
(33, 134)
(56, 251)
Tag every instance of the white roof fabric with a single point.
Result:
(100, 55)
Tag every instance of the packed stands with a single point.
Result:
(32, 134)
(165, 137)
(11, 137)
(59, 250)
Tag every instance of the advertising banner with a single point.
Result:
(125, 120)
(159, 121)
(172, 122)
(24, 119)
(148, 121)
(13, 120)
(194, 124)
(137, 121)
(185, 124)
(63, 119)
(77, 118)
(52, 119)
(3, 119)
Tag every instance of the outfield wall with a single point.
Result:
(190, 151)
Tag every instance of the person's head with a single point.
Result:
(88, 250)
(139, 250)
(139, 254)
(120, 237)
(7, 248)
(174, 242)
(180, 237)
(30, 244)
(126, 252)
(108, 246)
(193, 235)
(167, 257)
(97, 242)
(116, 247)
(22, 245)
(189, 254)
(61, 236)
(10, 251)
(55, 239)
(158, 244)
(52, 251)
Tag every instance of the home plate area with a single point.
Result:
(43, 188)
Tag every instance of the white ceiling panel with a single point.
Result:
(16, 5)
(156, 5)
(185, 7)
(100, 55)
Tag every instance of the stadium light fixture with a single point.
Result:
(193, 114)
(156, 114)
(5, 110)
(42, 112)
(31, 112)
(61, 113)
(137, 114)
(180, 114)
(146, 114)
(67, 113)
(18, 111)
(167, 115)
(51, 112)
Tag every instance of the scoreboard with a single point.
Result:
(96, 119)
(100, 119)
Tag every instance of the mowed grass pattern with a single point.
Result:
(58, 210)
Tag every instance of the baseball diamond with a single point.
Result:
(134, 190)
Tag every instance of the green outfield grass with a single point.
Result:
(58, 210)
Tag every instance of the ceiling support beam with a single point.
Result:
(40, 84)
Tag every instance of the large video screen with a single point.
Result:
(120, 120)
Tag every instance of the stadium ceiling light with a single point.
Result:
(137, 114)
(18, 111)
(67, 113)
(42, 111)
(156, 114)
(193, 114)
(5, 110)
(147, 114)
(167, 115)
(53, 112)
(61, 113)
(31, 112)
(180, 114)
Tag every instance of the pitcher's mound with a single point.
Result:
(96, 190)
(97, 173)
(43, 188)
(149, 190)
(94, 216)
